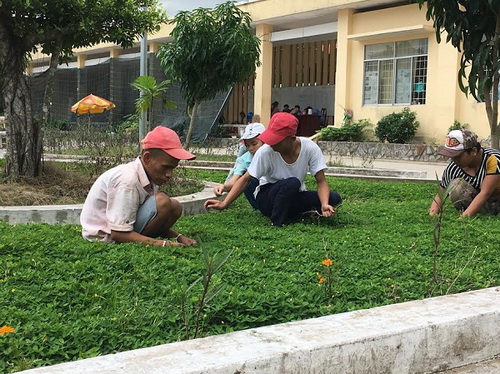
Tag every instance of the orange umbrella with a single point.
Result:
(92, 104)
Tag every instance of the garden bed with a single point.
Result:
(69, 299)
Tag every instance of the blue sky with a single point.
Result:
(173, 6)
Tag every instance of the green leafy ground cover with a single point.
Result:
(68, 299)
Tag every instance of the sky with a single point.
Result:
(173, 6)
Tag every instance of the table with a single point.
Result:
(308, 124)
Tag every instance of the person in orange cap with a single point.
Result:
(124, 204)
(281, 166)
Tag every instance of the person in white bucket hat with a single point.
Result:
(473, 175)
(252, 144)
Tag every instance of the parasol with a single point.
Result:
(92, 104)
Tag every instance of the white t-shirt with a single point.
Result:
(269, 167)
(114, 199)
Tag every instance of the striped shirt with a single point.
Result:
(490, 165)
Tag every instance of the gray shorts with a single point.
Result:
(147, 211)
(462, 193)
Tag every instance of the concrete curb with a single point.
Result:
(70, 214)
(423, 336)
(333, 170)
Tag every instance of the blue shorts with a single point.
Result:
(147, 211)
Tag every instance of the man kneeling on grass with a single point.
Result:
(124, 204)
(281, 166)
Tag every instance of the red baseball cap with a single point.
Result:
(280, 126)
(167, 140)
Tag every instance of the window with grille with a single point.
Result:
(395, 73)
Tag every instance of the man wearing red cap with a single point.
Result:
(124, 204)
(281, 166)
(473, 175)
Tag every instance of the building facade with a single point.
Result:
(373, 57)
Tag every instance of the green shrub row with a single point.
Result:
(393, 128)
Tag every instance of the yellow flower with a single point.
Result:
(5, 330)
(327, 262)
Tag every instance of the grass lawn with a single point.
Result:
(69, 299)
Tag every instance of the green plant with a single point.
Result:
(212, 50)
(327, 278)
(66, 25)
(397, 127)
(53, 123)
(150, 91)
(458, 126)
(212, 264)
(472, 28)
(438, 279)
(348, 132)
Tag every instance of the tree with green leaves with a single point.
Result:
(55, 28)
(213, 49)
(473, 28)
(150, 91)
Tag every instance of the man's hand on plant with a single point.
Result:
(327, 210)
(219, 190)
(214, 204)
(184, 240)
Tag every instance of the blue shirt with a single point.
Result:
(241, 165)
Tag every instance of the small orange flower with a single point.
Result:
(327, 262)
(322, 280)
(319, 276)
(5, 330)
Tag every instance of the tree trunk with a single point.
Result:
(24, 141)
(191, 124)
(495, 137)
(49, 88)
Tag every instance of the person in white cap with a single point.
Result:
(473, 175)
(252, 144)
(124, 204)
(281, 166)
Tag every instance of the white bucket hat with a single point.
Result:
(253, 130)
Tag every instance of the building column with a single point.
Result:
(344, 60)
(264, 74)
(81, 80)
(115, 94)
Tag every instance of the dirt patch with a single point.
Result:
(57, 185)
(63, 183)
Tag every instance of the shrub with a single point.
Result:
(397, 127)
(458, 126)
(348, 132)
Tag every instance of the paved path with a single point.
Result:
(433, 170)
(486, 367)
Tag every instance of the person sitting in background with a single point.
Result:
(296, 110)
(286, 108)
(473, 175)
(275, 108)
(281, 166)
(252, 144)
(124, 205)
(249, 117)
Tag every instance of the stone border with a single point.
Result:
(70, 214)
(423, 336)
(376, 150)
